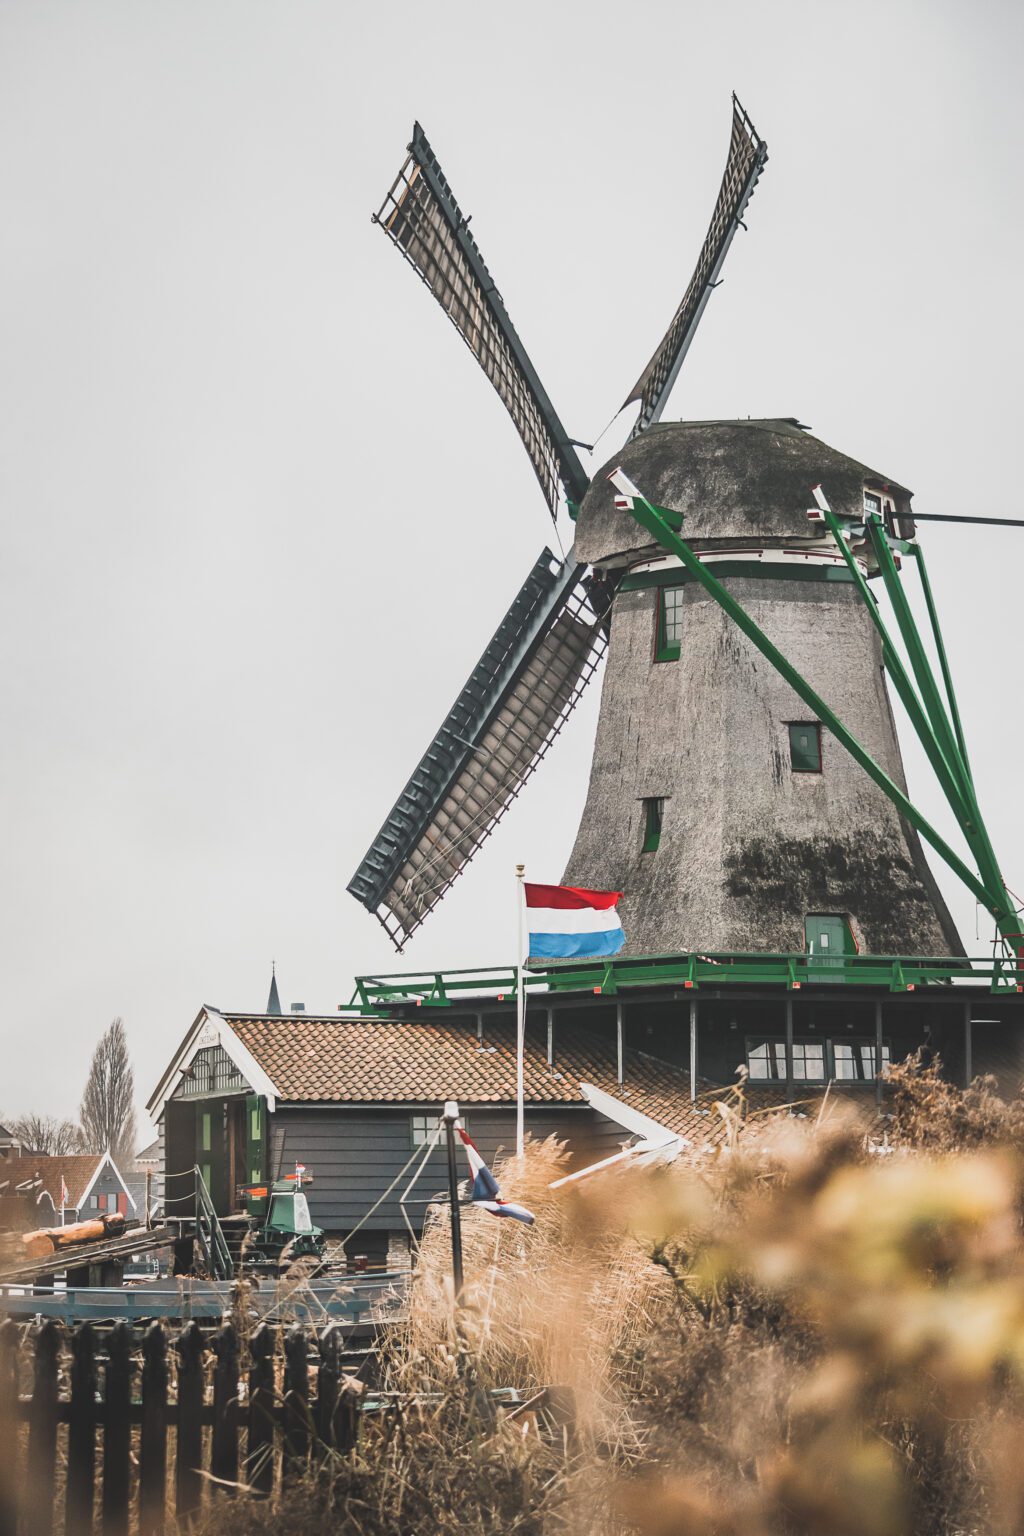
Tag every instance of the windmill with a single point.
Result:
(717, 802)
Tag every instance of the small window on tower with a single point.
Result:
(872, 503)
(670, 624)
(652, 824)
(805, 747)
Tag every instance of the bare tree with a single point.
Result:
(47, 1135)
(108, 1104)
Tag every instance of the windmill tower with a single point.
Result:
(730, 818)
(718, 802)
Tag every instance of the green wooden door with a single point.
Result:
(256, 1174)
(204, 1145)
(255, 1139)
(825, 939)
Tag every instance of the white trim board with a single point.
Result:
(211, 1028)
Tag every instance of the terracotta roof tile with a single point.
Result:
(359, 1061)
(78, 1170)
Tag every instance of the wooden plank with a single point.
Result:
(81, 1484)
(296, 1417)
(117, 1403)
(9, 1416)
(153, 1433)
(260, 1441)
(224, 1444)
(42, 1432)
(328, 1379)
(188, 1482)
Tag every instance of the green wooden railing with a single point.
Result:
(896, 973)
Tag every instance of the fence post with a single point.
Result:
(346, 1420)
(189, 1450)
(9, 1427)
(327, 1378)
(153, 1433)
(42, 1433)
(260, 1444)
(81, 1433)
(296, 1401)
(224, 1445)
(117, 1429)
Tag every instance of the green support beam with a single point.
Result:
(947, 676)
(975, 832)
(901, 681)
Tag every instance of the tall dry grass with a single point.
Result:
(817, 1330)
(568, 1301)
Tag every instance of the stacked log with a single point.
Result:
(46, 1241)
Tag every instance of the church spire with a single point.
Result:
(273, 1001)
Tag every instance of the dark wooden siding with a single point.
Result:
(354, 1153)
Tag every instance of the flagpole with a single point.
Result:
(451, 1115)
(520, 1008)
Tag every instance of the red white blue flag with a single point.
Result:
(485, 1192)
(566, 920)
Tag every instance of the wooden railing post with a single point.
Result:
(296, 1402)
(188, 1481)
(260, 1443)
(153, 1433)
(224, 1444)
(81, 1434)
(10, 1429)
(42, 1433)
(117, 1429)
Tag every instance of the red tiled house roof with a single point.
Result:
(78, 1171)
(360, 1061)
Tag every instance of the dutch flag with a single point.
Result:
(565, 920)
(485, 1192)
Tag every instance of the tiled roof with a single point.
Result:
(78, 1170)
(360, 1061)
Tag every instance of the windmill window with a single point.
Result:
(872, 503)
(653, 812)
(855, 1060)
(805, 747)
(670, 624)
(766, 1061)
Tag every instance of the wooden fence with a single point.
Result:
(124, 1439)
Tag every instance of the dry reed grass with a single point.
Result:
(818, 1330)
(567, 1301)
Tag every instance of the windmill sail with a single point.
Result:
(426, 224)
(748, 155)
(516, 701)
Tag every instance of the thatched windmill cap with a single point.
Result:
(733, 481)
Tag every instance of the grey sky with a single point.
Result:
(261, 511)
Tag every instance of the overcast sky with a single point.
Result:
(261, 512)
